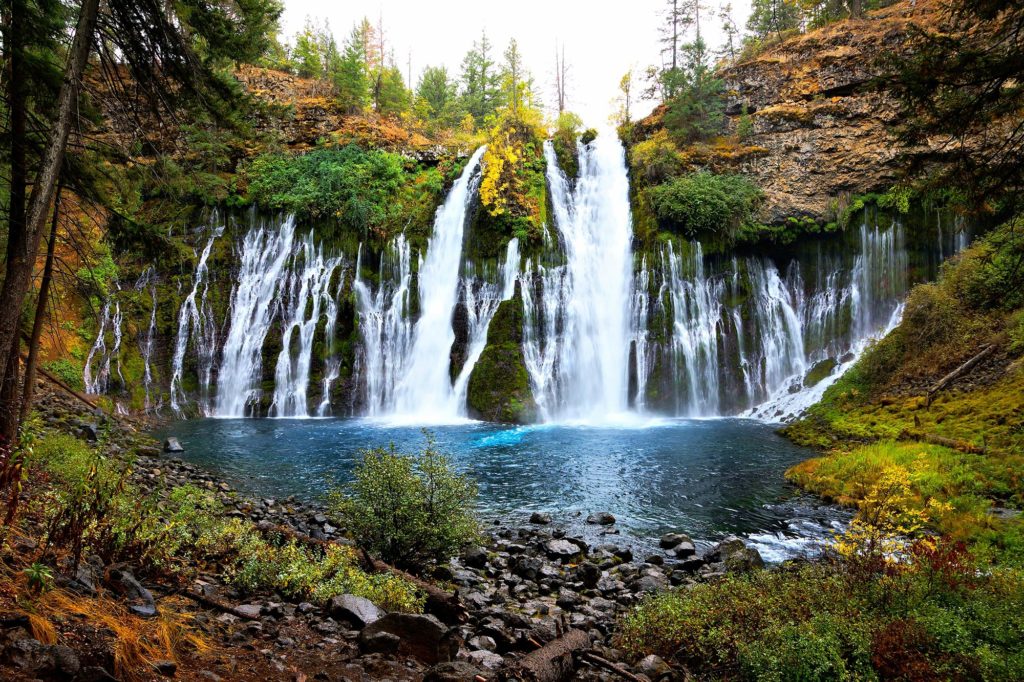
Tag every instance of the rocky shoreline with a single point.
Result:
(523, 586)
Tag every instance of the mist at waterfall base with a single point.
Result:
(708, 478)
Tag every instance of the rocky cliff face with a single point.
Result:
(821, 130)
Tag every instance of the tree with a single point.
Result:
(961, 84)
(513, 82)
(697, 110)
(437, 97)
(308, 54)
(350, 79)
(730, 30)
(624, 99)
(561, 76)
(154, 58)
(409, 510)
(393, 97)
(773, 17)
(481, 81)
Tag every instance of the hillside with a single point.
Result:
(820, 127)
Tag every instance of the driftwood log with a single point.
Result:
(553, 662)
(959, 372)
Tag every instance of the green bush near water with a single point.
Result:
(89, 505)
(408, 509)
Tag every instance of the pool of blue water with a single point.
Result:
(708, 478)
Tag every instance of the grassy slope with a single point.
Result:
(874, 419)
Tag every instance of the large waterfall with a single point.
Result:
(424, 391)
(677, 329)
(578, 327)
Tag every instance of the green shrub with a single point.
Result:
(68, 371)
(934, 614)
(408, 509)
(707, 203)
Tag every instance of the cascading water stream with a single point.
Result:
(195, 321)
(385, 325)
(254, 304)
(424, 390)
(308, 292)
(480, 308)
(578, 332)
(110, 319)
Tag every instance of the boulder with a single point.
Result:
(736, 555)
(422, 636)
(540, 518)
(172, 444)
(380, 643)
(685, 549)
(358, 611)
(562, 550)
(486, 659)
(670, 540)
(655, 668)
(476, 557)
(601, 518)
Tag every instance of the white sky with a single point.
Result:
(602, 39)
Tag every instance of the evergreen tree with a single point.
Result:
(514, 80)
(962, 83)
(393, 97)
(437, 97)
(697, 110)
(770, 18)
(481, 81)
(350, 78)
(309, 51)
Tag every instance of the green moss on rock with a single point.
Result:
(499, 387)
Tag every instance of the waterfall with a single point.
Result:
(195, 320)
(578, 332)
(332, 368)
(481, 305)
(744, 334)
(424, 389)
(254, 305)
(146, 345)
(307, 291)
(110, 319)
(384, 323)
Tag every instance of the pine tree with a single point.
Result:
(481, 81)
(350, 79)
(393, 97)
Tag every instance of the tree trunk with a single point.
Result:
(37, 323)
(21, 262)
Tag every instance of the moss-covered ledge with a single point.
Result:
(499, 387)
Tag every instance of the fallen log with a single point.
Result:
(951, 443)
(601, 662)
(217, 605)
(447, 606)
(553, 662)
(959, 372)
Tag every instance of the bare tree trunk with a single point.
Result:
(37, 323)
(20, 264)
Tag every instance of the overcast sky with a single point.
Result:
(602, 39)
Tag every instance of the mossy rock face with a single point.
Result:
(499, 387)
(820, 371)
